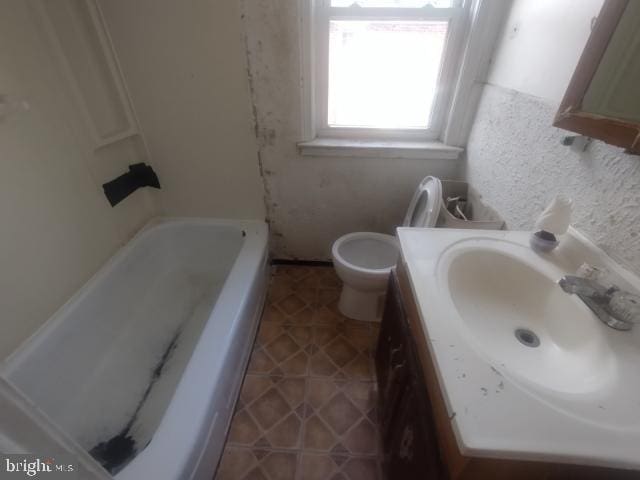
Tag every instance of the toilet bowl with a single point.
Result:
(363, 260)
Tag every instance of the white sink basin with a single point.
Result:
(526, 370)
(517, 315)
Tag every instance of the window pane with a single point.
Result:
(395, 3)
(384, 74)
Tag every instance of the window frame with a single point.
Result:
(325, 13)
(477, 31)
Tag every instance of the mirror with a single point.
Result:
(603, 97)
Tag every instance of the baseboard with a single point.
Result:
(304, 263)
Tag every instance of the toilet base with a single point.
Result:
(359, 305)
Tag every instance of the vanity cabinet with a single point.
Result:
(418, 441)
(408, 435)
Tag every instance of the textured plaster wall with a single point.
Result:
(516, 161)
(313, 200)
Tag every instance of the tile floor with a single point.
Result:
(307, 406)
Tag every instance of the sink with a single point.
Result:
(526, 370)
(519, 317)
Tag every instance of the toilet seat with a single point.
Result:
(425, 205)
(366, 252)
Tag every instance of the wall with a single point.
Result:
(514, 155)
(541, 45)
(185, 66)
(312, 201)
(57, 226)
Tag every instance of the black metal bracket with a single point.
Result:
(139, 175)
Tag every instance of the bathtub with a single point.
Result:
(143, 365)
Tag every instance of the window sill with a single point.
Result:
(341, 147)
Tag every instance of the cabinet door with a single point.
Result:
(398, 380)
(410, 447)
(413, 453)
(391, 363)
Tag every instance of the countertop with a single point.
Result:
(497, 414)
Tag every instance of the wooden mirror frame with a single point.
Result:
(570, 116)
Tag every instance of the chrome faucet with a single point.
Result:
(614, 307)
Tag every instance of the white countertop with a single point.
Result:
(495, 413)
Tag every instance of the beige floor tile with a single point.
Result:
(281, 350)
(239, 463)
(341, 417)
(307, 408)
(335, 467)
(270, 413)
(342, 351)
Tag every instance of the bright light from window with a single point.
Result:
(394, 3)
(384, 74)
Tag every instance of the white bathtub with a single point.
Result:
(151, 351)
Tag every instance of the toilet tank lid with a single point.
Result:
(425, 205)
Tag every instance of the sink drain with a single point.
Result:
(527, 338)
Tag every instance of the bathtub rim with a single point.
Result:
(251, 258)
(187, 454)
(9, 364)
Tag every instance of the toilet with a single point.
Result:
(363, 260)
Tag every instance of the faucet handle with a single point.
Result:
(586, 270)
(625, 306)
(584, 286)
(598, 274)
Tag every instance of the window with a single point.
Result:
(386, 70)
(394, 63)
(383, 65)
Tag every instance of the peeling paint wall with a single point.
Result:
(515, 157)
(311, 201)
